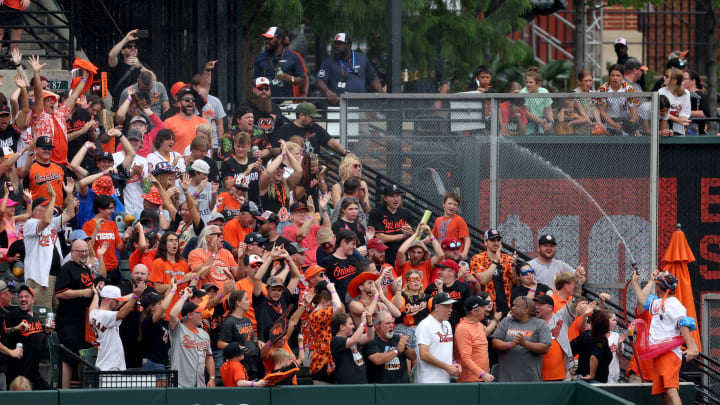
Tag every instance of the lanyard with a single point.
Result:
(274, 67)
(343, 68)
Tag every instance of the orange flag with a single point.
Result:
(676, 258)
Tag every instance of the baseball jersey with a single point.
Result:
(110, 351)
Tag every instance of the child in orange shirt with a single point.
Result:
(232, 371)
(451, 225)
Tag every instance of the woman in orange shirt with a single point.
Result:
(169, 264)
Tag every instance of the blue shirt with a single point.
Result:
(266, 65)
(348, 76)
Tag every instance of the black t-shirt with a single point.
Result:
(414, 310)
(267, 312)
(130, 329)
(216, 322)
(388, 223)
(394, 371)
(349, 363)
(520, 291)
(276, 203)
(31, 339)
(314, 135)
(10, 137)
(232, 168)
(72, 276)
(3, 338)
(459, 292)
(340, 272)
(79, 118)
(241, 330)
(155, 343)
(583, 347)
(121, 77)
(604, 355)
(268, 122)
(277, 242)
(351, 226)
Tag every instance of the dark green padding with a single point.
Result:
(587, 394)
(429, 394)
(557, 393)
(145, 396)
(28, 397)
(214, 396)
(322, 395)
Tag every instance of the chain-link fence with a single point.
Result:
(711, 339)
(580, 166)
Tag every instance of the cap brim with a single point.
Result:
(268, 36)
(122, 299)
(315, 115)
(448, 302)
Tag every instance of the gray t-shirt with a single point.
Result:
(518, 363)
(546, 274)
(362, 216)
(156, 96)
(203, 200)
(212, 112)
(188, 350)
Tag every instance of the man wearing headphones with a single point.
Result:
(346, 71)
(669, 319)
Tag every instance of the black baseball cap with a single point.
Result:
(544, 299)
(547, 239)
(4, 109)
(255, 237)
(491, 234)
(474, 301)
(198, 293)
(44, 141)
(40, 201)
(208, 286)
(104, 156)
(392, 189)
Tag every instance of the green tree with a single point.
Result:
(461, 33)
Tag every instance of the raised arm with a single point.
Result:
(23, 100)
(115, 51)
(37, 85)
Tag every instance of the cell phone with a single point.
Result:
(10, 187)
(143, 34)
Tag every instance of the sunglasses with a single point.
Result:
(46, 147)
(188, 100)
(357, 166)
(130, 46)
(414, 278)
(454, 245)
(526, 272)
(265, 88)
(255, 265)
(216, 234)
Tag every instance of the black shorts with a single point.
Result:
(11, 16)
(323, 375)
(72, 337)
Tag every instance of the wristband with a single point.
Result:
(28, 201)
(212, 377)
(269, 343)
(83, 80)
(135, 296)
(129, 98)
(292, 79)
(508, 346)
(282, 154)
(404, 236)
(362, 325)
(196, 278)
(333, 292)
(482, 373)
(531, 290)
(172, 291)
(433, 239)
(219, 296)
(397, 353)
(376, 298)
(309, 218)
(196, 194)
(252, 383)
(301, 348)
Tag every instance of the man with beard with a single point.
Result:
(283, 68)
(266, 114)
(419, 255)
(546, 266)
(7, 293)
(390, 221)
(267, 224)
(388, 353)
(346, 71)
(493, 271)
(448, 283)
(365, 288)
(153, 92)
(183, 124)
(30, 332)
(130, 327)
(305, 127)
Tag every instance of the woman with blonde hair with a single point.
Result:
(349, 166)
(679, 97)
(275, 189)
(539, 110)
(413, 304)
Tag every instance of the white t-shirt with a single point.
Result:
(679, 107)
(132, 194)
(155, 158)
(212, 112)
(438, 336)
(546, 274)
(39, 248)
(666, 326)
(110, 348)
(614, 368)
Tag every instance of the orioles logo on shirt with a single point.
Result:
(86, 280)
(48, 240)
(189, 343)
(556, 330)
(342, 272)
(392, 226)
(34, 327)
(445, 338)
(519, 332)
(155, 97)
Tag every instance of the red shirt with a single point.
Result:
(108, 232)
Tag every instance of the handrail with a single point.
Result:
(107, 12)
(78, 358)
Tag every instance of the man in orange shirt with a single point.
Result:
(471, 345)
(555, 361)
(43, 170)
(419, 255)
(566, 285)
(237, 228)
(184, 123)
(233, 199)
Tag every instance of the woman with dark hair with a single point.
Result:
(103, 230)
(238, 328)
(349, 212)
(525, 283)
(312, 182)
(163, 145)
(619, 113)
(699, 103)
(168, 265)
(602, 322)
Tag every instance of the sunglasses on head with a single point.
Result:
(454, 245)
(216, 234)
(526, 272)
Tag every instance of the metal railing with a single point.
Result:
(60, 45)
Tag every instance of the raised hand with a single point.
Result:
(369, 232)
(310, 204)
(210, 65)
(20, 81)
(50, 190)
(185, 183)
(35, 63)
(102, 249)
(69, 186)
(131, 35)
(16, 54)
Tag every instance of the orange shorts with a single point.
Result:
(666, 372)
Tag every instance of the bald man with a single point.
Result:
(130, 326)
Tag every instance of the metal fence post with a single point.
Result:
(494, 132)
(654, 152)
(343, 121)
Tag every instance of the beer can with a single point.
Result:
(49, 320)
(19, 346)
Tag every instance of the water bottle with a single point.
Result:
(279, 72)
(49, 320)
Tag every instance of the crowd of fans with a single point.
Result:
(244, 263)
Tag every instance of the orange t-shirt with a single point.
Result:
(108, 232)
(553, 363)
(228, 202)
(425, 267)
(269, 365)
(147, 258)
(231, 372)
(184, 130)
(216, 275)
(450, 227)
(162, 272)
(234, 233)
(559, 302)
(247, 285)
(40, 174)
(16, 4)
